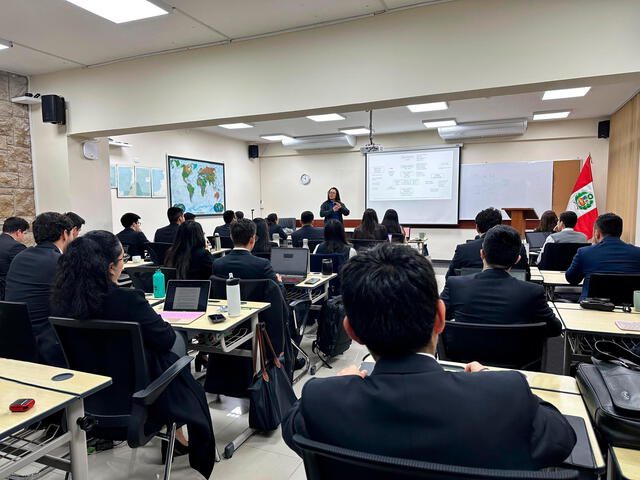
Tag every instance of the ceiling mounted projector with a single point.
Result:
(493, 128)
(339, 140)
(371, 147)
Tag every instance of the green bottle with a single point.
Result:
(158, 284)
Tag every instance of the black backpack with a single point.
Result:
(332, 339)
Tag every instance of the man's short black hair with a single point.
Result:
(501, 246)
(76, 219)
(174, 213)
(49, 226)
(13, 224)
(228, 216)
(239, 215)
(129, 219)
(487, 218)
(242, 231)
(569, 219)
(609, 224)
(306, 217)
(189, 216)
(390, 296)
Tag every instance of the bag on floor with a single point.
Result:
(332, 339)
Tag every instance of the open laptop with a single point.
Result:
(186, 301)
(291, 263)
(536, 240)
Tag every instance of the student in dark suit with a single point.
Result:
(132, 235)
(409, 407)
(11, 244)
(333, 208)
(272, 223)
(263, 241)
(85, 289)
(468, 254)
(608, 255)
(168, 234)
(307, 230)
(188, 254)
(335, 241)
(77, 221)
(31, 275)
(239, 261)
(225, 230)
(370, 229)
(493, 296)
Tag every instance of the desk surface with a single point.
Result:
(628, 462)
(554, 278)
(323, 280)
(213, 251)
(578, 319)
(141, 263)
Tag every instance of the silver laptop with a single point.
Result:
(291, 263)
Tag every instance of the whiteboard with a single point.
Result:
(499, 185)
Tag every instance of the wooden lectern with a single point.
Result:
(519, 216)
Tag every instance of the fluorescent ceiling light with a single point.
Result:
(276, 137)
(121, 11)
(565, 93)
(428, 107)
(327, 117)
(235, 126)
(551, 115)
(5, 44)
(355, 131)
(443, 122)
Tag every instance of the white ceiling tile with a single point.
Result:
(27, 62)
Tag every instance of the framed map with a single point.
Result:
(196, 186)
(126, 181)
(158, 183)
(143, 182)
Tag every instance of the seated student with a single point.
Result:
(335, 240)
(263, 241)
(77, 222)
(370, 229)
(493, 296)
(392, 224)
(548, 222)
(85, 289)
(224, 230)
(468, 254)
(31, 275)
(564, 232)
(168, 234)
(272, 223)
(307, 230)
(189, 255)
(189, 216)
(608, 255)
(11, 244)
(239, 214)
(132, 234)
(239, 261)
(409, 407)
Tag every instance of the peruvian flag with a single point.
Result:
(583, 201)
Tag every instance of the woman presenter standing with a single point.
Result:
(333, 208)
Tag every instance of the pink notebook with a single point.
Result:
(180, 318)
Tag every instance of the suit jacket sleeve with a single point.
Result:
(294, 423)
(156, 333)
(344, 210)
(523, 263)
(446, 298)
(142, 237)
(282, 233)
(269, 273)
(16, 249)
(543, 313)
(575, 272)
(454, 263)
(325, 209)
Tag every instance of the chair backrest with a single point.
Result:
(313, 244)
(226, 242)
(265, 255)
(558, 256)
(158, 251)
(110, 348)
(324, 462)
(142, 276)
(517, 346)
(618, 287)
(16, 339)
(468, 271)
(361, 244)
(536, 239)
(287, 222)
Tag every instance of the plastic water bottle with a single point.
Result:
(305, 243)
(158, 284)
(389, 236)
(275, 238)
(233, 296)
(217, 241)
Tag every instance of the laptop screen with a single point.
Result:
(536, 239)
(290, 261)
(187, 295)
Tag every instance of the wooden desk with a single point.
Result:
(141, 263)
(319, 290)
(536, 276)
(624, 464)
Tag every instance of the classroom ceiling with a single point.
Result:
(600, 102)
(51, 35)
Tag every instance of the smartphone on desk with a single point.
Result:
(217, 318)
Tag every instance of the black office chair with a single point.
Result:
(617, 287)
(518, 346)
(142, 276)
(16, 336)
(558, 256)
(115, 349)
(514, 272)
(328, 462)
(313, 244)
(265, 255)
(157, 251)
(338, 261)
(360, 244)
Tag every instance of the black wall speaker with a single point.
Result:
(53, 109)
(603, 129)
(253, 151)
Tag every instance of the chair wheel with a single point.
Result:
(228, 451)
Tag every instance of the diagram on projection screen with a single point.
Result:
(196, 186)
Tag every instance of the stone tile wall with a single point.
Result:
(16, 171)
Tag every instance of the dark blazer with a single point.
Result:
(166, 234)
(380, 233)
(308, 232)
(223, 230)
(29, 280)
(135, 240)
(326, 211)
(243, 265)
(468, 255)
(9, 248)
(275, 228)
(201, 265)
(409, 407)
(611, 255)
(495, 297)
(323, 250)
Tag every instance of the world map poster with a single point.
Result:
(196, 186)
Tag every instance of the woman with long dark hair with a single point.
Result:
(85, 289)
(335, 240)
(392, 224)
(263, 240)
(273, 227)
(370, 229)
(188, 254)
(333, 208)
(548, 222)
